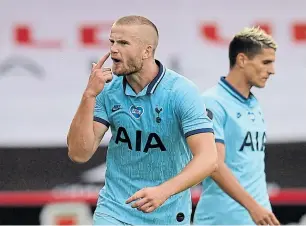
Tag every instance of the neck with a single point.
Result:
(239, 82)
(138, 81)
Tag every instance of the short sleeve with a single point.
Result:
(218, 116)
(191, 111)
(100, 114)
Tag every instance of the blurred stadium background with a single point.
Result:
(46, 50)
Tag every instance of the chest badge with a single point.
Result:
(136, 111)
(251, 116)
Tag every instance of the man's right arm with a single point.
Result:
(84, 134)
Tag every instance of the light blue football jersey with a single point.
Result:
(148, 144)
(238, 122)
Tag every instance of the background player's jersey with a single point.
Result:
(238, 123)
(148, 144)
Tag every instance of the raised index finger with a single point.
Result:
(102, 61)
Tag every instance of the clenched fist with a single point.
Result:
(98, 77)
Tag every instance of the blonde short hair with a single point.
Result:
(257, 35)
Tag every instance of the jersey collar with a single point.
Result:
(234, 92)
(150, 88)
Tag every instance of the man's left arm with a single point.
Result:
(197, 128)
(202, 165)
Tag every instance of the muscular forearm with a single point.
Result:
(229, 184)
(81, 134)
(201, 166)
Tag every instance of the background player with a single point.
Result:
(156, 118)
(240, 136)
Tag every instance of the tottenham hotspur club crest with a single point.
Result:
(158, 111)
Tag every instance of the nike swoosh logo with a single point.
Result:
(116, 108)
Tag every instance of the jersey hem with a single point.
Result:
(103, 121)
(193, 132)
(219, 141)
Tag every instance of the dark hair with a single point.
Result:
(242, 45)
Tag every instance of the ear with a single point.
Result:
(148, 52)
(241, 60)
